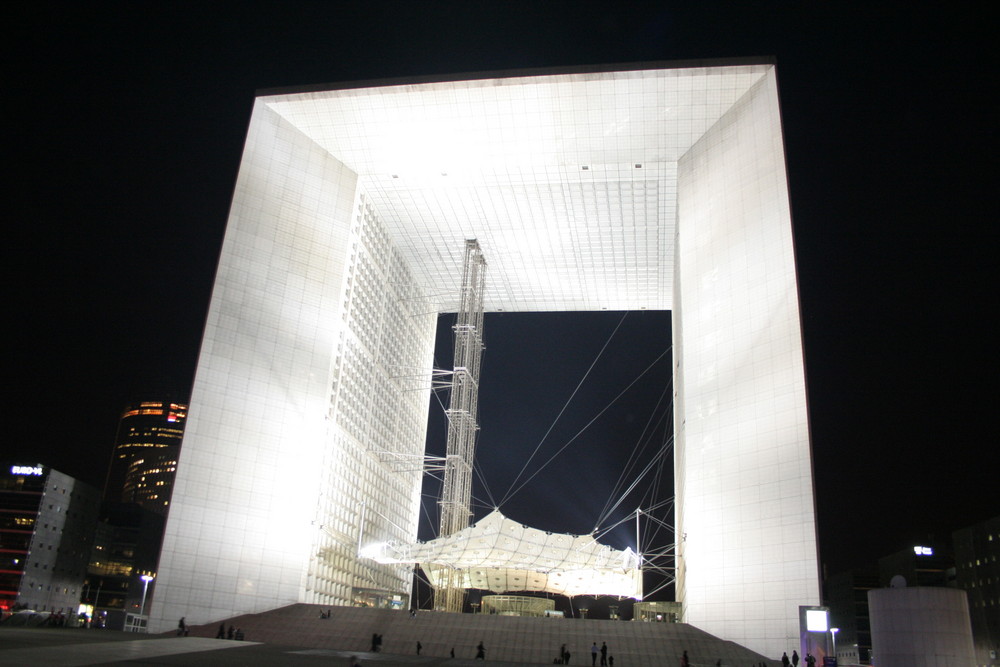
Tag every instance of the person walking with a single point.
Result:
(795, 659)
(480, 652)
(784, 660)
(182, 628)
(221, 634)
(419, 646)
(684, 660)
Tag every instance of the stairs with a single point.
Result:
(506, 638)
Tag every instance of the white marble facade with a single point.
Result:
(660, 187)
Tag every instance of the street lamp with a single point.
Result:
(833, 633)
(142, 607)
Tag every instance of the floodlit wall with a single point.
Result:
(745, 513)
(304, 436)
(304, 336)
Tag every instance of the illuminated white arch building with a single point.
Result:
(654, 187)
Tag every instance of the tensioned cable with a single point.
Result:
(580, 432)
(654, 462)
(509, 493)
(640, 447)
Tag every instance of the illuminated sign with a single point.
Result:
(923, 551)
(817, 620)
(26, 470)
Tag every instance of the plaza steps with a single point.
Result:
(508, 639)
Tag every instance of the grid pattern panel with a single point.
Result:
(242, 522)
(748, 557)
(568, 182)
(374, 411)
(351, 205)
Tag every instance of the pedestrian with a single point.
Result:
(453, 651)
(784, 660)
(795, 659)
(378, 644)
(604, 654)
(562, 654)
(611, 661)
(419, 646)
(221, 634)
(684, 660)
(239, 634)
(181, 627)
(593, 655)
(480, 652)
(230, 632)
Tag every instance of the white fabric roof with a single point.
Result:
(502, 555)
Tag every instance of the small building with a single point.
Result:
(977, 570)
(518, 605)
(47, 521)
(656, 612)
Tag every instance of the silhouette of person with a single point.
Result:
(480, 652)
(230, 632)
(684, 660)
(453, 651)
(419, 646)
(784, 660)
(181, 627)
(593, 655)
(795, 659)
(604, 654)
(221, 634)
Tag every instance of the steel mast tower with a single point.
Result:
(456, 493)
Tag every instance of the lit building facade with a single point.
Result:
(47, 521)
(144, 460)
(977, 565)
(654, 187)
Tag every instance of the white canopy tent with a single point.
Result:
(502, 555)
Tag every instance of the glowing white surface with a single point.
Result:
(346, 237)
(502, 160)
(502, 555)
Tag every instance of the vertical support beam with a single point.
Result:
(456, 493)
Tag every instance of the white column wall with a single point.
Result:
(745, 507)
(240, 533)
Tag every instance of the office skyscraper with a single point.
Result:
(144, 460)
(658, 186)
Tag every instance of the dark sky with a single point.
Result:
(124, 124)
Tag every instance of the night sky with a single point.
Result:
(124, 129)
